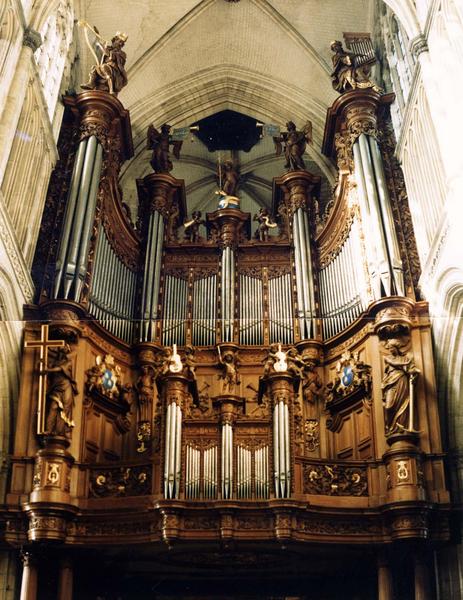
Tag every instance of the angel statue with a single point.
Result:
(350, 71)
(108, 73)
(295, 143)
(159, 143)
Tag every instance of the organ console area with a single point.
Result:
(202, 406)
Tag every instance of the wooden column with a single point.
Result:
(385, 586)
(423, 582)
(29, 578)
(66, 579)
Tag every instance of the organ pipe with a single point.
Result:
(172, 454)
(228, 293)
(342, 289)
(304, 278)
(112, 294)
(152, 276)
(281, 447)
(72, 259)
(384, 259)
(227, 460)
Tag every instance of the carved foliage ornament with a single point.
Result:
(120, 481)
(335, 480)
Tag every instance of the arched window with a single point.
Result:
(401, 63)
(51, 56)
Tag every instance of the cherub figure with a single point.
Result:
(108, 74)
(229, 375)
(192, 227)
(295, 143)
(159, 143)
(265, 224)
(228, 176)
(189, 360)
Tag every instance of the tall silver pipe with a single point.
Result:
(309, 273)
(167, 451)
(387, 217)
(376, 223)
(75, 239)
(149, 274)
(276, 453)
(86, 233)
(69, 213)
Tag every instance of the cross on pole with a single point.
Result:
(44, 343)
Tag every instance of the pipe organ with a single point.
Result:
(233, 387)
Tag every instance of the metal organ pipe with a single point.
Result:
(386, 214)
(172, 455)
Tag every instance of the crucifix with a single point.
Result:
(44, 343)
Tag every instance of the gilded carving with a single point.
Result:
(108, 74)
(105, 376)
(294, 145)
(312, 435)
(349, 73)
(120, 481)
(353, 375)
(335, 480)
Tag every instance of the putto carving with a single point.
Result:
(192, 226)
(228, 177)
(228, 360)
(335, 480)
(159, 142)
(108, 74)
(265, 224)
(295, 144)
(348, 72)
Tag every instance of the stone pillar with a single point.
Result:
(14, 99)
(296, 203)
(65, 581)
(98, 113)
(385, 585)
(29, 577)
(162, 205)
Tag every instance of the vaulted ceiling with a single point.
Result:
(188, 59)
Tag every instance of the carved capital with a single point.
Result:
(32, 39)
(418, 45)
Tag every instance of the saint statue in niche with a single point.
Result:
(61, 390)
(398, 382)
(108, 74)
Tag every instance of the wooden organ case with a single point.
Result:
(224, 397)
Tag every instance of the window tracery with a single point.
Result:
(51, 56)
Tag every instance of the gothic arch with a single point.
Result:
(449, 333)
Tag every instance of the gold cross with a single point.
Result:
(44, 344)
